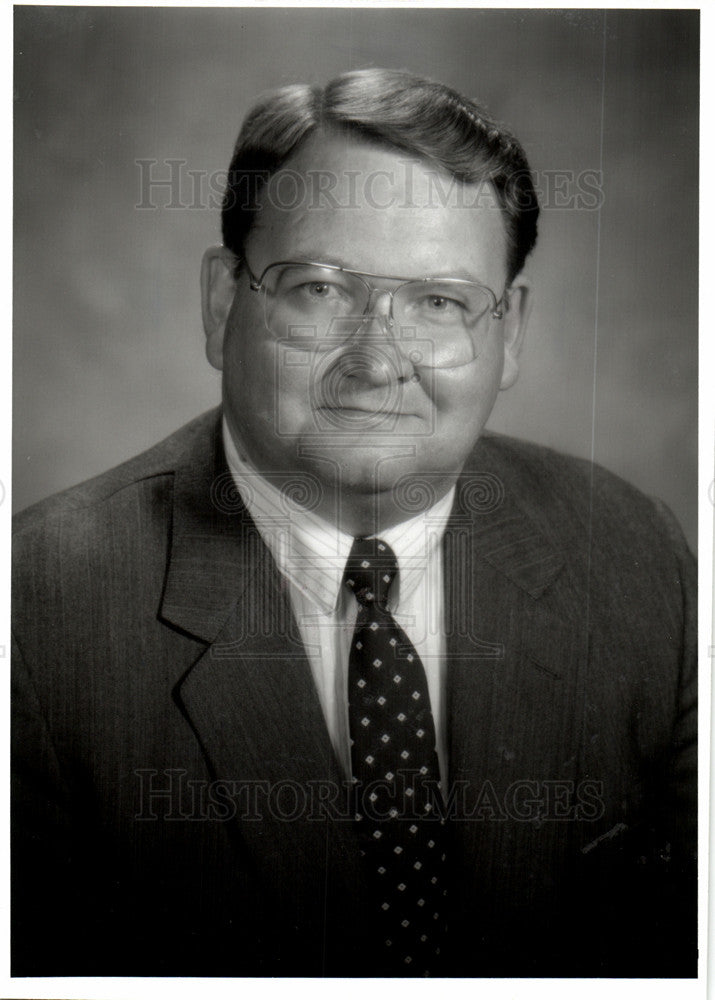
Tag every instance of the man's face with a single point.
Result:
(361, 415)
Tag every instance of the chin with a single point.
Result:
(388, 464)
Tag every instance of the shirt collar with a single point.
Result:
(311, 552)
(415, 543)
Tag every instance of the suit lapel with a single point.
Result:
(515, 698)
(252, 701)
(514, 666)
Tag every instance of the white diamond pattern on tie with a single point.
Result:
(396, 774)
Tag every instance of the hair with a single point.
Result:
(394, 109)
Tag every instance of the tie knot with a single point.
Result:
(370, 569)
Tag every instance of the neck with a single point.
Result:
(362, 514)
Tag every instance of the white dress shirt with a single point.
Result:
(311, 554)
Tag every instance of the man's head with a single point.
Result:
(385, 173)
(397, 110)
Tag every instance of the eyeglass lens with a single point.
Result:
(441, 322)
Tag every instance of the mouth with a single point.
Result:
(358, 412)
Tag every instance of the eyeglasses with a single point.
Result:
(436, 322)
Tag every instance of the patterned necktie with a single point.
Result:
(395, 774)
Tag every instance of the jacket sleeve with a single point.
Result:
(679, 810)
(47, 919)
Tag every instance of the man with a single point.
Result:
(331, 682)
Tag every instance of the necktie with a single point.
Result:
(395, 774)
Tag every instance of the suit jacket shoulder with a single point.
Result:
(194, 439)
(593, 518)
(550, 483)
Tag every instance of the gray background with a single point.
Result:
(108, 352)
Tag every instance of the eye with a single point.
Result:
(319, 289)
(441, 303)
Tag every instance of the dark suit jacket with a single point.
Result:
(173, 812)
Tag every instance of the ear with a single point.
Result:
(515, 322)
(218, 287)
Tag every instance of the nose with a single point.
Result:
(379, 309)
(374, 354)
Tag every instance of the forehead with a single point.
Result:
(351, 202)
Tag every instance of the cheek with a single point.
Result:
(249, 352)
(248, 365)
(465, 396)
(247, 370)
(268, 385)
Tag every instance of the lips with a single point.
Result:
(360, 411)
